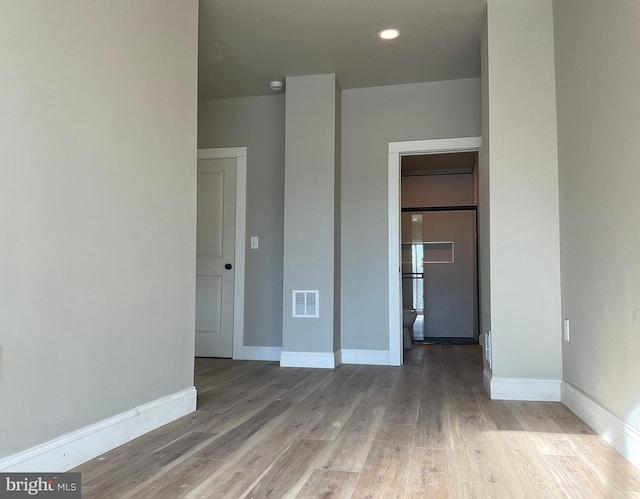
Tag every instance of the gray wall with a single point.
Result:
(371, 118)
(437, 190)
(97, 211)
(597, 78)
(309, 209)
(258, 124)
(523, 185)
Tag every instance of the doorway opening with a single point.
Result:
(397, 150)
(439, 252)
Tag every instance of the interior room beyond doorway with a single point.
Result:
(439, 248)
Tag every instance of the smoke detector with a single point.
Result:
(276, 86)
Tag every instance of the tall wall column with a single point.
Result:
(311, 220)
(519, 172)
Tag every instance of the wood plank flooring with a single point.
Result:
(427, 429)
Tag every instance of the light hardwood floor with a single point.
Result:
(427, 429)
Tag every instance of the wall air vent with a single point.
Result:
(305, 303)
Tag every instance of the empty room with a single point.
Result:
(320, 249)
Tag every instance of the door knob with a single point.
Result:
(228, 266)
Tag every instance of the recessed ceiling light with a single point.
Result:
(388, 34)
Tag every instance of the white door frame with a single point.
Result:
(240, 155)
(396, 151)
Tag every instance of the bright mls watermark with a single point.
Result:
(40, 485)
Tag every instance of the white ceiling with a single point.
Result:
(244, 44)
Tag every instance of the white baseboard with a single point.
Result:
(621, 436)
(368, 357)
(543, 390)
(261, 353)
(486, 379)
(77, 447)
(326, 360)
(337, 354)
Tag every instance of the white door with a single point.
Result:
(215, 265)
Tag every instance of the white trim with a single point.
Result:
(337, 355)
(395, 151)
(367, 357)
(621, 436)
(394, 251)
(240, 155)
(261, 353)
(435, 146)
(325, 360)
(541, 390)
(222, 153)
(77, 447)
(241, 224)
(486, 379)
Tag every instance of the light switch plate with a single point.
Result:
(254, 242)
